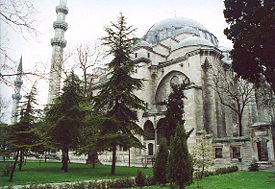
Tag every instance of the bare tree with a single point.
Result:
(202, 154)
(15, 16)
(18, 14)
(88, 56)
(233, 92)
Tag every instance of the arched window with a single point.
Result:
(149, 132)
(175, 80)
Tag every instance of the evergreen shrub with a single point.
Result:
(225, 170)
(253, 167)
(7, 167)
(140, 179)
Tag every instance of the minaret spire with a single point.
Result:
(16, 97)
(58, 43)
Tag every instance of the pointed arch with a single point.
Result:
(164, 87)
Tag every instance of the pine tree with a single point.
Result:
(89, 131)
(160, 166)
(117, 96)
(180, 162)
(4, 141)
(64, 119)
(23, 136)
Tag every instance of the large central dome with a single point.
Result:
(175, 26)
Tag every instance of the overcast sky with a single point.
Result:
(87, 18)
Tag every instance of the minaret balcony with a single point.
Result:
(62, 8)
(60, 24)
(58, 42)
(18, 82)
(16, 97)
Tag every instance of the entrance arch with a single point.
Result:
(150, 149)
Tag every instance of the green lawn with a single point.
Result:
(50, 172)
(237, 180)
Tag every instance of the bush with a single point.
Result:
(108, 184)
(225, 170)
(253, 167)
(149, 181)
(140, 179)
(122, 183)
(197, 174)
(7, 167)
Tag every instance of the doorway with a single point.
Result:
(262, 150)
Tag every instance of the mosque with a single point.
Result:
(174, 51)
(181, 50)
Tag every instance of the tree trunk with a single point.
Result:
(62, 158)
(45, 156)
(113, 161)
(13, 167)
(4, 158)
(66, 159)
(240, 126)
(21, 160)
(129, 157)
(92, 158)
(203, 162)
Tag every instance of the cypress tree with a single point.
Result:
(175, 110)
(180, 168)
(116, 96)
(160, 166)
(180, 162)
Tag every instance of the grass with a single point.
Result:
(237, 180)
(50, 172)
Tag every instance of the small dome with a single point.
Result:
(143, 43)
(193, 41)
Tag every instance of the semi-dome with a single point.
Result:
(142, 43)
(193, 41)
(226, 54)
(176, 26)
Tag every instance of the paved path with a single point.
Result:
(268, 169)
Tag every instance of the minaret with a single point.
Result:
(16, 96)
(58, 43)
